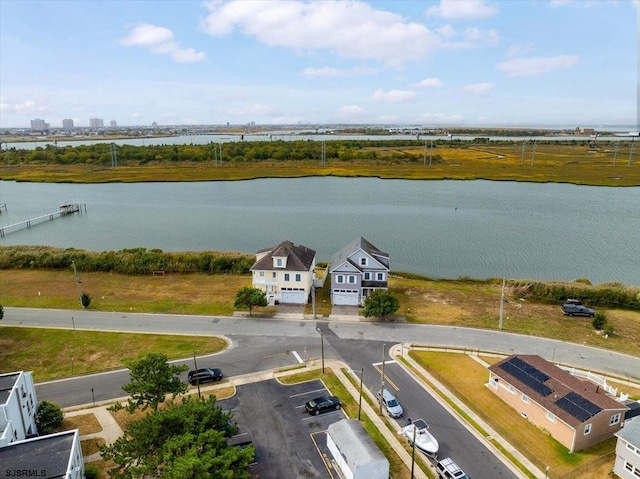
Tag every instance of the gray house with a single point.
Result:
(627, 464)
(357, 270)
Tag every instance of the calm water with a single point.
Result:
(441, 229)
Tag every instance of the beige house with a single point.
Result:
(285, 273)
(577, 413)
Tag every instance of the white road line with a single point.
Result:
(308, 392)
(297, 356)
(393, 361)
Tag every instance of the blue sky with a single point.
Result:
(441, 62)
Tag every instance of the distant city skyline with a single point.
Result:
(443, 63)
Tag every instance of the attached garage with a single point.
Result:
(293, 297)
(341, 297)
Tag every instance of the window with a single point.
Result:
(636, 472)
(512, 390)
(615, 419)
(380, 276)
(587, 429)
(525, 398)
(551, 417)
(340, 279)
(298, 277)
(352, 279)
(273, 275)
(363, 261)
(286, 276)
(261, 273)
(632, 448)
(367, 276)
(279, 262)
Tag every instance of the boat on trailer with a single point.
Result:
(425, 441)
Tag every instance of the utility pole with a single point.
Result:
(431, 154)
(313, 295)
(501, 306)
(615, 153)
(360, 398)
(533, 152)
(384, 348)
(413, 451)
(75, 274)
(195, 364)
(524, 146)
(114, 156)
(630, 152)
(321, 346)
(424, 158)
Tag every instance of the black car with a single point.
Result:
(322, 403)
(570, 309)
(205, 375)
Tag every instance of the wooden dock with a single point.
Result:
(63, 210)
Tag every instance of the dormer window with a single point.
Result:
(279, 262)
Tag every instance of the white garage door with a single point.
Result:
(293, 297)
(345, 299)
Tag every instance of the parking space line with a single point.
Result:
(308, 392)
(297, 356)
(393, 361)
(386, 378)
(327, 464)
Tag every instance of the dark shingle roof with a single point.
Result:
(7, 383)
(46, 453)
(561, 383)
(299, 258)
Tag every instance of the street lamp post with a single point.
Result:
(321, 346)
(384, 347)
(195, 364)
(360, 398)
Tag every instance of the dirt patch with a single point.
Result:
(84, 423)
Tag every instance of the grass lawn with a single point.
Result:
(84, 423)
(466, 378)
(21, 349)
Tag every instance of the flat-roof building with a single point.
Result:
(18, 405)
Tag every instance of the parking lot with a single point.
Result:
(288, 441)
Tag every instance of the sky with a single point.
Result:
(439, 63)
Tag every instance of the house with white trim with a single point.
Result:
(577, 412)
(56, 455)
(357, 270)
(285, 273)
(627, 465)
(18, 406)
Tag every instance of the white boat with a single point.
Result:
(424, 439)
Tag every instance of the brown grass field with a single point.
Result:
(575, 164)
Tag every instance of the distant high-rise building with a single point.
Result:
(96, 123)
(38, 125)
(67, 124)
(154, 125)
(113, 124)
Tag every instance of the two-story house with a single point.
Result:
(285, 273)
(627, 465)
(357, 270)
(578, 413)
(18, 403)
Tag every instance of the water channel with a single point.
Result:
(440, 229)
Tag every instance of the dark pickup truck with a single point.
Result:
(572, 309)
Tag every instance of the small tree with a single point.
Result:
(152, 378)
(49, 417)
(85, 299)
(249, 298)
(599, 320)
(380, 303)
(1, 312)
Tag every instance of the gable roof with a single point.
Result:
(573, 400)
(299, 258)
(51, 453)
(359, 243)
(630, 432)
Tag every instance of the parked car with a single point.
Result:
(390, 403)
(577, 310)
(205, 375)
(447, 469)
(322, 403)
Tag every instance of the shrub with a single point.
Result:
(91, 472)
(49, 417)
(599, 320)
(85, 299)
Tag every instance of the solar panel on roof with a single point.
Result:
(579, 407)
(527, 374)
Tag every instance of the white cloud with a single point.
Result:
(518, 49)
(328, 72)
(394, 96)
(473, 37)
(536, 65)
(440, 118)
(160, 40)
(351, 29)
(137, 115)
(429, 83)
(478, 89)
(41, 104)
(447, 31)
(351, 112)
(579, 3)
(462, 9)
(255, 110)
